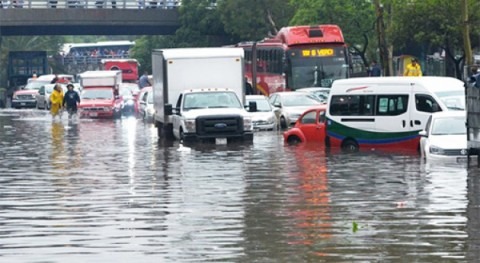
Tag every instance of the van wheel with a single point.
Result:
(283, 123)
(350, 145)
(293, 140)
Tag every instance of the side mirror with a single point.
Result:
(423, 133)
(168, 109)
(277, 105)
(252, 106)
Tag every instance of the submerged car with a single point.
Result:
(100, 102)
(291, 105)
(146, 108)
(264, 117)
(310, 127)
(43, 96)
(445, 137)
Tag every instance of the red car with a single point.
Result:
(100, 102)
(310, 127)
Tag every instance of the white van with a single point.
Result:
(387, 112)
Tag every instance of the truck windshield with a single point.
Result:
(203, 100)
(454, 100)
(91, 94)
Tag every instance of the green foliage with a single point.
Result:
(354, 227)
(254, 19)
(355, 18)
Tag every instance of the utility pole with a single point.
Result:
(467, 46)
(382, 43)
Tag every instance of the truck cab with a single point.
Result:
(207, 114)
(100, 95)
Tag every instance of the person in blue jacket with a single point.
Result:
(71, 99)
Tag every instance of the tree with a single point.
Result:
(355, 18)
(436, 24)
(254, 19)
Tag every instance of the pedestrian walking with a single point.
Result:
(413, 69)
(375, 70)
(56, 101)
(71, 99)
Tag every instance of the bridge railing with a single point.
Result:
(120, 4)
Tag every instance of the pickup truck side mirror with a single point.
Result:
(168, 109)
(252, 106)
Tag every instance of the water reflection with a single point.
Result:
(101, 191)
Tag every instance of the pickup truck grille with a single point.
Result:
(212, 126)
(25, 97)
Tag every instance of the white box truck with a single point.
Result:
(199, 94)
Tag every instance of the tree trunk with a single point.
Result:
(382, 43)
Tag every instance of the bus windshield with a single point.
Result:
(316, 67)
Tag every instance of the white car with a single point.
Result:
(445, 137)
(146, 108)
(264, 118)
(290, 105)
(319, 92)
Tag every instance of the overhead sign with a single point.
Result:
(322, 52)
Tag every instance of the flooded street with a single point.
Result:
(105, 191)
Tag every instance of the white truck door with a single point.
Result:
(177, 117)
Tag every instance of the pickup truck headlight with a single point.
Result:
(436, 150)
(190, 125)
(247, 124)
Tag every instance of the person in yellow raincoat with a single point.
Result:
(413, 69)
(56, 100)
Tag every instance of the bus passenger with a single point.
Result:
(52, 3)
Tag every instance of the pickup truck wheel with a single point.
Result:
(293, 140)
(283, 123)
(181, 134)
(350, 145)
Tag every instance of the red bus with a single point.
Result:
(299, 57)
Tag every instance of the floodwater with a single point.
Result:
(109, 191)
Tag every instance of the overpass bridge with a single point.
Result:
(88, 17)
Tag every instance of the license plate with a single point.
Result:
(93, 114)
(220, 140)
(462, 159)
(23, 104)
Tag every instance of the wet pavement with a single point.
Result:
(104, 191)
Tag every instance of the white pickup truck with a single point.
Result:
(199, 94)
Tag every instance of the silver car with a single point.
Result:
(264, 118)
(319, 92)
(146, 109)
(291, 105)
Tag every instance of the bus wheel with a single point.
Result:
(293, 140)
(283, 123)
(350, 145)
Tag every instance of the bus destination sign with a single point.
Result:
(324, 52)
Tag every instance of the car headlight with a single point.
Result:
(151, 111)
(247, 124)
(34, 96)
(436, 150)
(190, 125)
(107, 108)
